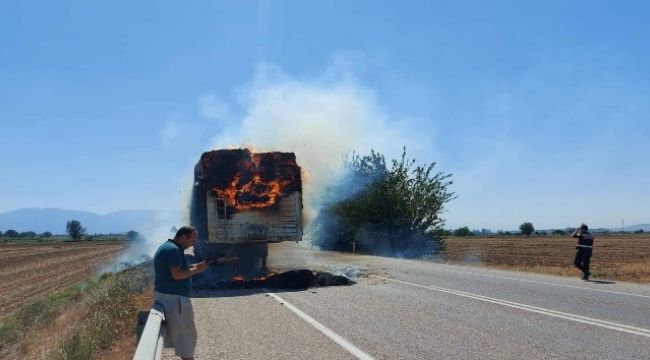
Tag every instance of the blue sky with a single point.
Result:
(539, 109)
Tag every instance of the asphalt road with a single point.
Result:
(404, 309)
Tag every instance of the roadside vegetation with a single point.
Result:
(39, 312)
(78, 322)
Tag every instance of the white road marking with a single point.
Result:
(348, 346)
(567, 316)
(542, 282)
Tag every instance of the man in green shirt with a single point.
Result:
(173, 283)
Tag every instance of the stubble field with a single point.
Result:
(28, 271)
(615, 257)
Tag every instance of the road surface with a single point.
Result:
(405, 309)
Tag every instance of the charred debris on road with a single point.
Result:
(289, 280)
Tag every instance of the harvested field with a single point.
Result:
(616, 257)
(31, 270)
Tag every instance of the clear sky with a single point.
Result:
(539, 109)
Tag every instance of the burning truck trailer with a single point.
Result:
(241, 202)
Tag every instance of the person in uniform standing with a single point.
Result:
(584, 248)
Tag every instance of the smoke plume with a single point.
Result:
(319, 119)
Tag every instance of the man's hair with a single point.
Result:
(584, 227)
(184, 230)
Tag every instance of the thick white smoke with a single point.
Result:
(150, 236)
(319, 119)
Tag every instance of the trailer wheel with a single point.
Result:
(263, 254)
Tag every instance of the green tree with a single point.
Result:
(1, 234)
(132, 235)
(11, 233)
(559, 232)
(27, 234)
(463, 231)
(527, 228)
(46, 234)
(385, 211)
(75, 230)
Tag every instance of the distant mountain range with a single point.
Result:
(54, 220)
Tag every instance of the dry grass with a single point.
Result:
(28, 271)
(126, 342)
(620, 257)
(39, 341)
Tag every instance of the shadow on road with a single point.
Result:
(222, 293)
(601, 282)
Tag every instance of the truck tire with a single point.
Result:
(263, 254)
(253, 256)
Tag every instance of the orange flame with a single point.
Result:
(262, 194)
(246, 180)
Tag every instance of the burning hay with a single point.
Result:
(241, 202)
(247, 180)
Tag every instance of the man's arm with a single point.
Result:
(576, 233)
(180, 274)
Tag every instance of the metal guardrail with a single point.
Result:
(153, 336)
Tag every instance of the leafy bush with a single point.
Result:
(385, 211)
(10, 331)
(76, 346)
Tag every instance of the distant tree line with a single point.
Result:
(74, 230)
(11, 233)
(527, 229)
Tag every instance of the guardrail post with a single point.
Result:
(153, 336)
